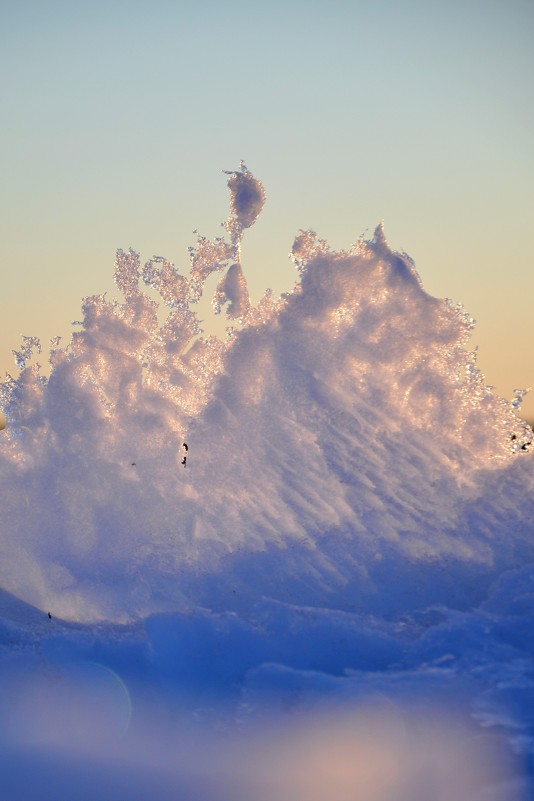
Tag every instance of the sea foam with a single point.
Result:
(329, 504)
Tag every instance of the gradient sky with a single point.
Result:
(119, 116)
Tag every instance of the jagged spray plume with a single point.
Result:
(292, 563)
(349, 375)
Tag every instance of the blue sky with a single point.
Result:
(118, 118)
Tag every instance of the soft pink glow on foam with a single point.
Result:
(372, 751)
(379, 753)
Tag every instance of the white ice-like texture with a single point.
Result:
(346, 418)
(247, 198)
(232, 289)
(353, 517)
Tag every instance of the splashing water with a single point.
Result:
(354, 511)
(316, 415)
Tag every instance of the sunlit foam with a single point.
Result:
(357, 375)
(355, 513)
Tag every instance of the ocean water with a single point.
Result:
(293, 563)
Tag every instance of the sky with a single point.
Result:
(117, 119)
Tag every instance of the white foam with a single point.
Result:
(353, 515)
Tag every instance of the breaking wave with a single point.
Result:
(329, 502)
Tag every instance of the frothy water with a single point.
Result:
(351, 512)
